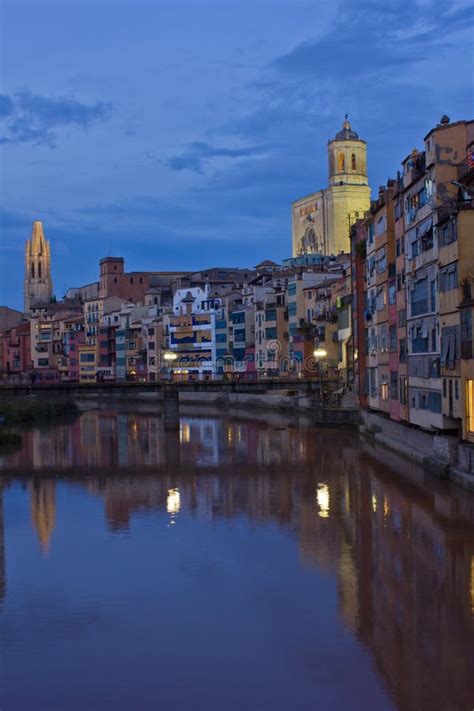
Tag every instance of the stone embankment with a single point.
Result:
(441, 455)
(285, 401)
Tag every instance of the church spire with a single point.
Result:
(38, 244)
(38, 286)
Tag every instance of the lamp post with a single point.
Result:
(319, 354)
(170, 357)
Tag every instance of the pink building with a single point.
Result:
(15, 352)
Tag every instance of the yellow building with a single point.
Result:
(87, 363)
(321, 221)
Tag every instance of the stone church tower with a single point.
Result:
(321, 221)
(38, 286)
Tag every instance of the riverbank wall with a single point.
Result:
(439, 454)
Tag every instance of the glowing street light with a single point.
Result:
(169, 357)
(320, 353)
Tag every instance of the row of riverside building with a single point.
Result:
(391, 315)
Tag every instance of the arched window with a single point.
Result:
(341, 163)
(33, 270)
(39, 269)
(353, 161)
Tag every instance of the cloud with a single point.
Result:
(196, 156)
(369, 38)
(6, 105)
(30, 118)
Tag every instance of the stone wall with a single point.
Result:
(406, 436)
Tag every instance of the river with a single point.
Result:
(244, 562)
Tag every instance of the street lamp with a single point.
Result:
(319, 353)
(170, 357)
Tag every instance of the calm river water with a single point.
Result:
(242, 563)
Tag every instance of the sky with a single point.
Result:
(177, 134)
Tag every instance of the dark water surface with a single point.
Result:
(240, 563)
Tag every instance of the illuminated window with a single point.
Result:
(384, 391)
(470, 405)
(341, 163)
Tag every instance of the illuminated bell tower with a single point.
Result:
(348, 195)
(38, 285)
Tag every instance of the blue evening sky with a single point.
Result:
(177, 133)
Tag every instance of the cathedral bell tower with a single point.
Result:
(38, 285)
(347, 158)
(348, 195)
(321, 221)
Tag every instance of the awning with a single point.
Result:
(425, 227)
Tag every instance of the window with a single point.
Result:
(270, 315)
(151, 345)
(270, 333)
(397, 248)
(466, 333)
(115, 280)
(392, 294)
(419, 297)
(402, 318)
(370, 233)
(384, 389)
(403, 391)
(392, 338)
(87, 357)
(383, 338)
(353, 162)
(426, 400)
(43, 362)
(450, 351)
(341, 163)
(447, 233)
(456, 389)
(402, 353)
(381, 260)
(419, 340)
(448, 277)
(394, 385)
(380, 298)
(39, 269)
(381, 225)
(372, 381)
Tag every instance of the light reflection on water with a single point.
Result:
(239, 563)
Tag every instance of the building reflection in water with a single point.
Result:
(402, 555)
(3, 577)
(43, 510)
